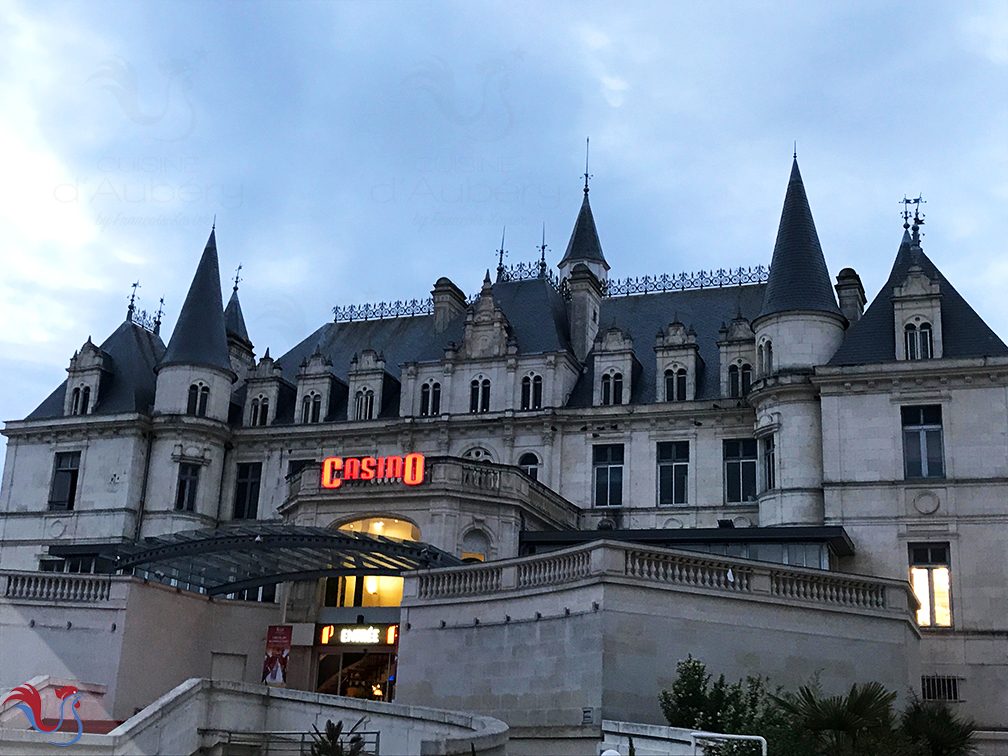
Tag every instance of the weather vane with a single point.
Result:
(237, 278)
(586, 174)
(501, 252)
(917, 217)
(542, 253)
(132, 302)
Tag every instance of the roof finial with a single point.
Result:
(214, 226)
(918, 218)
(237, 278)
(501, 253)
(132, 303)
(157, 317)
(795, 149)
(586, 174)
(542, 254)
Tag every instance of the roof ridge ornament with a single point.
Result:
(501, 253)
(918, 218)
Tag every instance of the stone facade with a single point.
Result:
(543, 405)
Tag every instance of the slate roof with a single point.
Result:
(584, 242)
(234, 322)
(799, 279)
(872, 339)
(134, 353)
(200, 337)
(642, 316)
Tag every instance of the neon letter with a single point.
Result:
(393, 467)
(414, 472)
(330, 467)
(367, 468)
(351, 468)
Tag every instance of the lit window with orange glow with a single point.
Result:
(931, 582)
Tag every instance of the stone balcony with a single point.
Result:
(444, 477)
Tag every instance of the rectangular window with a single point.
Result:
(673, 472)
(740, 470)
(64, 483)
(923, 456)
(939, 688)
(188, 480)
(608, 468)
(247, 491)
(769, 462)
(930, 578)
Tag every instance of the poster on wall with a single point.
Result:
(278, 646)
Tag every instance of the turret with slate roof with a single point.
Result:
(584, 245)
(240, 346)
(197, 354)
(799, 324)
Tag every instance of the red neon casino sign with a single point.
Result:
(408, 469)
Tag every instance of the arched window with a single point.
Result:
(919, 342)
(204, 399)
(475, 546)
(365, 404)
(617, 388)
(371, 590)
(529, 462)
(435, 399)
(75, 403)
(526, 393)
(926, 342)
(761, 359)
(734, 384)
(425, 400)
(746, 378)
(531, 392)
(193, 402)
(474, 394)
(254, 414)
(485, 395)
(311, 408)
(263, 411)
(680, 385)
(537, 398)
(670, 385)
(606, 389)
(769, 358)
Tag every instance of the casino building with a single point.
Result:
(751, 415)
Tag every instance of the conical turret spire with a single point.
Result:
(234, 321)
(200, 337)
(799, 279)
(584, 245)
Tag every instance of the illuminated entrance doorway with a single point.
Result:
(358, 661)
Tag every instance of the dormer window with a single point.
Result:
(364, 404)
(612, 388)
(479, 395)
(311, 408)
(430, 399)
(740, 379)
(260, 410)
(81, 401)
(918, 341)
(199, 397)
(531, 393)
(675, 385)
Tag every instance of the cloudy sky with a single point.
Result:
(356, 151)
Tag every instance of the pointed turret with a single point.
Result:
(584, 246)
(239, 346)
(799, 279)
(234, 321)
(200, 337)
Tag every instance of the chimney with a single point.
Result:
(850, 292)
(449, 301)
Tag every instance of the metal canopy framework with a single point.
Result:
(238, 557)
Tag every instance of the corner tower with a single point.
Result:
(799, 327)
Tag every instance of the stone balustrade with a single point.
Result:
(449, 476)
(668, 568)
(56, 586)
